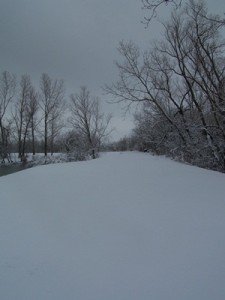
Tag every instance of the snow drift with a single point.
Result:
(123, 227)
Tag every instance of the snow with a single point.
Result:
(125, 226)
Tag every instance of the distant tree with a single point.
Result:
(88, 120)
(32, 110)
(75, 146)
(7, 92)
(22, 113)
(56, 125)
(52, 104)
(150, 131)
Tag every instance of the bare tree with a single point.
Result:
(181, 83)
(88, 120)
(75, 146)
(32, 111)
(193, 43)
(21, 114)
(56, 125)
(138, 83)
(52, 104)
(7, 92)
(152, 6)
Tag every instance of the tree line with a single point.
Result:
(43, 120)
(179, 87)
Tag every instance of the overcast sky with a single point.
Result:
(74, 40)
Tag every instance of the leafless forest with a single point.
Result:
(177, 87)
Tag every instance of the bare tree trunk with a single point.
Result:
(46, 138)
(33, 139)
(52, 103)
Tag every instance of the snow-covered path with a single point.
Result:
(123, 227)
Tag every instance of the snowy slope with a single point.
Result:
(123, 227)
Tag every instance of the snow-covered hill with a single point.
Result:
(123, 227)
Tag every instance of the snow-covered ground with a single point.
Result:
(125, 226)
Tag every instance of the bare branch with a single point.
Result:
(153, 6)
